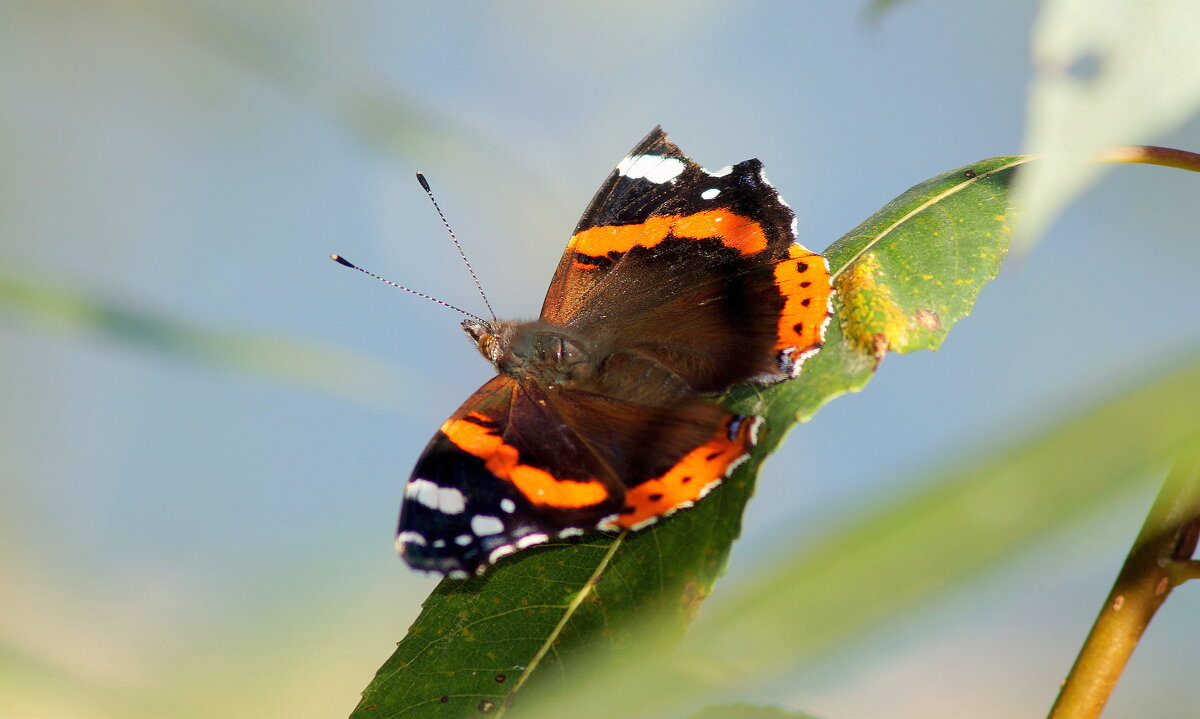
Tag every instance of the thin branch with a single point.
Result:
(1152, 155)
(1183, 571)
(1159, 561)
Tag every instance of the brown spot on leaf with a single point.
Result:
(881, 347)
(928, 319)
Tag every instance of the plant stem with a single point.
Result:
(1152, 155)
(1159, 561)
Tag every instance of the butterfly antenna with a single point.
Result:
(343, 261)
(425, 186)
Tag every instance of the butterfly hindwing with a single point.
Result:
(476, 493)
(518, 465)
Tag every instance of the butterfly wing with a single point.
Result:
(483, 486)
(697, 269)
(521, 464)
(668, 445)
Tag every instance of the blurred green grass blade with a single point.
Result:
(1106, 72)
(477, 641)
(746, 711)
(905, 552)
(53, 306)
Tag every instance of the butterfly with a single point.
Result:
(677, 284)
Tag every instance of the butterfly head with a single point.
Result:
(492, 339)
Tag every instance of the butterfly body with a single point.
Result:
(677, 284)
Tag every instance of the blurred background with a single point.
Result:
(206, 424)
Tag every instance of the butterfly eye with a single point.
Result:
(487, 345)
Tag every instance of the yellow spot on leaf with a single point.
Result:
(871, 318)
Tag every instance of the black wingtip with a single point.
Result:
(424, 183)
(341, 261)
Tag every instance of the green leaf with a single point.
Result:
(478, 642)
(912, 270)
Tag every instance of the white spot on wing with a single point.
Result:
(652, 168)
(463, 540)
(571, 532)
(721, 172)
(608, 523)
(457, 574)
(451, 501)
(755, 423)
(736, 463)
(501, 551)
(508, 505)
(443, 499)
(531, 539)
(483, 525)
(410, 538)
(419, 487)
(709, 193)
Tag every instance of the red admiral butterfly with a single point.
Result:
(677, 284)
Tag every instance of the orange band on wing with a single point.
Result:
(503, 460)
(741, 233)
(803, 279)
(690, 479)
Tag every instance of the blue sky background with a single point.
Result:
(178, 533)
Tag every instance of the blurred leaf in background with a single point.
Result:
(50, 307)
(1113, 72)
